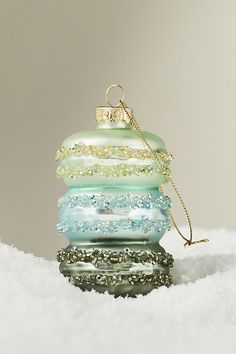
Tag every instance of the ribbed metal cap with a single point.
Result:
(113, 114)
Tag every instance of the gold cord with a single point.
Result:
(189, 241)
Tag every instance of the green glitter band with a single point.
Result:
(108, 151)
(157, 279)
(112, 171)
(110, 257)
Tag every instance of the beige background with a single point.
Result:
(177, 62)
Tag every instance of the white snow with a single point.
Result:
(41, 313)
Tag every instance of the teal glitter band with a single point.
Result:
(107, 227)
(157, 279)
(98, 256)
(127, 200)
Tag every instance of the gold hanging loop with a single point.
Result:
(135, 124)
(122, 95)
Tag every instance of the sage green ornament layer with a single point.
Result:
(113, 211)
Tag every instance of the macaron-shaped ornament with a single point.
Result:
(114, 212)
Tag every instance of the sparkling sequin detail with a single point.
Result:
(126, 200)
(108, 151)
(97, 256)
(111, 171)
(108, 227)
(157, 279)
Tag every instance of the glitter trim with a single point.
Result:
(108, 151)
(149, 201)
(157, 279)
(111, 171)
(108, 227)
(97, 256)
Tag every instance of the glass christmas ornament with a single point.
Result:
(114, 213)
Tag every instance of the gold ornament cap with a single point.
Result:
(113, 113)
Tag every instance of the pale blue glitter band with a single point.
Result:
(148, 201)
(108, 227)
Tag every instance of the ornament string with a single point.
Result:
(188, 241)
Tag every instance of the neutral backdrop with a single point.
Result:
(176, 60)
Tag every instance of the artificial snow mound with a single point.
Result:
(41, 313)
